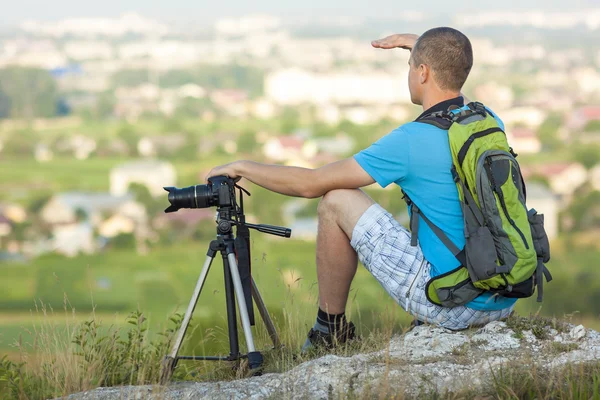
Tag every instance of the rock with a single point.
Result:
(496, 340)
(494, 327)
(577, 333)
(424, 360)
(529, 336)
(426, 341)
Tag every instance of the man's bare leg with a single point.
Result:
(339, 211)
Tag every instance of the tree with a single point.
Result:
(171, 125)
(290, 120)
(247, 141)
(21, 142)
(548, 131)
(588, 155)
(142, 195)
(128, 134)
(592, 126)
(130, 77)
(123, 241)
(32, 92)
(81, 215)
(193, 108)
(585, 211)
(105, 105)
(5, 105)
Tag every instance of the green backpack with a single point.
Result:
(506, 245)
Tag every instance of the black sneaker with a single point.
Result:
(416, 322)
(330, 340)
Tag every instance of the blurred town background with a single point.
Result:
(97, 114)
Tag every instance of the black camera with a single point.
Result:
(219, 192)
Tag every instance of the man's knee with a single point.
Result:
(345, 207)
(334, 200)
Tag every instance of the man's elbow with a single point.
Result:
(311, 188)
(311, 192)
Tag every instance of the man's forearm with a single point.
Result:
(290, 181)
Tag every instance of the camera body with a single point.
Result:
(219, 192)
(223, 191)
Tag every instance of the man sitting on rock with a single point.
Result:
(415, 156)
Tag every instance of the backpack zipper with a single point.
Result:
(500, 195)
(462, 153)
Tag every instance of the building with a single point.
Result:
(524, 140)
(579, 118)
(233, 101)
(74, 216)
(287, 148)
(563, 178)
(595, 177)
(153, 174)
(71, 207)
(151, 146)
(80, 145)
(73, 239)
(494, 95)
(5, 225)
(531, 117)
(339, 145)
(305, 229)
(296, 86)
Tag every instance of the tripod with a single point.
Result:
(238, 285)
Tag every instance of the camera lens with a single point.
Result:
(204, 196)
(198, 196)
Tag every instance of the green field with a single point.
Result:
(162, 282)
(118, 282)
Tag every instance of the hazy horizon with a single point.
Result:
(188, 11)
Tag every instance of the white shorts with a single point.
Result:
(383, 246)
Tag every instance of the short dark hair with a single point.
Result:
(449, 54)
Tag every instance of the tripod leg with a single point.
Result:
(262, 309)
(234, 348)
(171, 360)
(255, 359)
(239, 294)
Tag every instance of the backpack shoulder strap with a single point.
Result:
(438, 119)
(417, 214)
(444, 119)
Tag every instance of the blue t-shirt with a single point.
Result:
(416, 156)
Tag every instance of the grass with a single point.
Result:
(90, 359)
(85, 357)
(537, 324)
(284, 271)
(162, 282)
(84, 353)
(579, 381)
(557, 348)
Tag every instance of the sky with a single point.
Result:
(13, 12)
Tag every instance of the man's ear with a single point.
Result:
(424, 72)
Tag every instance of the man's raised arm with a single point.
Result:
(403, 41)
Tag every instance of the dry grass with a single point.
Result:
(88, 355)
(80, 356)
